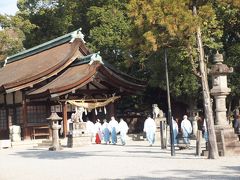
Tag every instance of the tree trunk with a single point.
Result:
(213, 149)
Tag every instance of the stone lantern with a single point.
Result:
(220, 90)
(54, 118)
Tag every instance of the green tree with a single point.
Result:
(52, 19)
(190, 26)
(109, 35)
(102, 33)
(12, 34)
(229, 15)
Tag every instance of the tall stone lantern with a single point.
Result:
(54, 118)
(220, 90)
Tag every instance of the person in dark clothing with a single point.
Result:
(236, 124)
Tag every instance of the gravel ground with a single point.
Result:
(136, 160)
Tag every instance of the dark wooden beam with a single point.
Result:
(64, 111)
(95, 91)
(7, 113)
(24, 113)
(14, 108)
(94, 85)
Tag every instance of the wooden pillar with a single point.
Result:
(14, 109)
(26, 133)
(48, 113)
(64, 109)
(7, 114)
(9, 123)
(6, 109)
(111, 110)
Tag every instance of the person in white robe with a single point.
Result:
(150, 129)
(205, 130)
(98, 130)
(123, 128)
(90, 129)
(175, 131)
(186, 128)
(106, 131)
(113, 124)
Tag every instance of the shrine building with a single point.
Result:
(58, 76)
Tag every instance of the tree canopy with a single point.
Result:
(12, 34)
(133, 34)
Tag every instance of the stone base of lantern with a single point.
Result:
(78, 136)
(78, 141)
(227, 141)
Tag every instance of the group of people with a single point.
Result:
(186, 130)
(107, 131)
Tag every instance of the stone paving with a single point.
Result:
(136, 160)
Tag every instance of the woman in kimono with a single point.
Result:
(98, 128)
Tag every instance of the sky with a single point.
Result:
(8, 7)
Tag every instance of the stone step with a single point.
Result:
(43, 145)
(231, 138)
(231, 148)
(232, 143)
(229, 144)
(26, 143)
(227, 137)
(233, 151)
(46, 143)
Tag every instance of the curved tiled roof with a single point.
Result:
(39, 63)
(78, 75)
(71, 78)
(69, 59)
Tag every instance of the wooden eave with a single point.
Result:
(64, 55)
(73, 78)
(113, 83)
(124, 75)
(120, 81)
(76, 77)
(87, 59)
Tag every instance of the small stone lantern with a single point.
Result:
(54, 118)
(220, 90)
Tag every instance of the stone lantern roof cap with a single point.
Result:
(219, 68)
(218, 58)
(54, 116)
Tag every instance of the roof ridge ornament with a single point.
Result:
(96, 57)
(67, 38)
(77, 35)
(5, 61)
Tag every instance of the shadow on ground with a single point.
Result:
(191, 174)
(119, 152)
